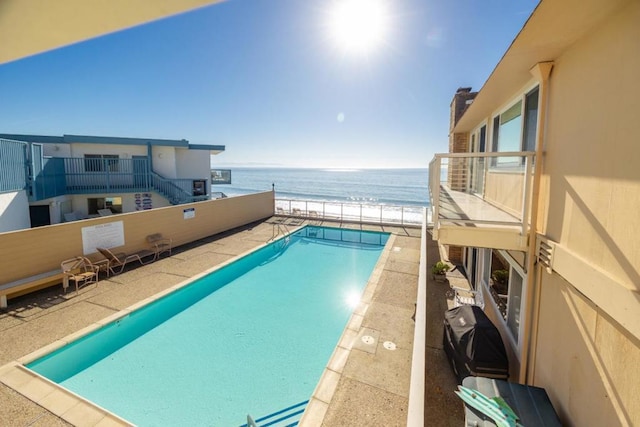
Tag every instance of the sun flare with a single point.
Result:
(358, 26)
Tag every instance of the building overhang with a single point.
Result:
(29, 27)
(508, 238)
(551, 29)
(113, 140)
(214, 149)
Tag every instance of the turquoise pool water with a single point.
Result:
(252, 337)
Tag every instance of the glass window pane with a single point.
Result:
(510, 130)
(515, 301)
(530, 120)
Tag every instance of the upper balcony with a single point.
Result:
(59, 176)
(482, 199)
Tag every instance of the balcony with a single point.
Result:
(61, 176)
(481, 199)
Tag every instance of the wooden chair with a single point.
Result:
(159, 244)
(121, 259)
(79, 270)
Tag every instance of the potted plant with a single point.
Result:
(439, 271)
(501, 281)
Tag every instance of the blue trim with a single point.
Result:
(111, 140)
(34, 138)
(88, 139)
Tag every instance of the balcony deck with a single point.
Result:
(464, 217)
(468, 220)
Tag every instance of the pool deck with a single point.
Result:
(365, 383)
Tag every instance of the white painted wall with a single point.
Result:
(56, 150)
(193, 164)
(164, 161)
(14, 211)
(124, 151)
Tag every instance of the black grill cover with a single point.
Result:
(473, 344)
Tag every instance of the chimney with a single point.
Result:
(461, 101)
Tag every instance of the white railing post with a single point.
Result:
(526, 198)
(435, 194)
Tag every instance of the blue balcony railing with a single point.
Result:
(13, 161)
(59, 176)
(177, 191)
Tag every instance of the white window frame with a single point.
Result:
(483, 270)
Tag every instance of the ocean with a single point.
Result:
(401, 187)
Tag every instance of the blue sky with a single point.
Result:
(267, 80)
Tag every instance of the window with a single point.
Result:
(509, 131)
(515, 301)
(112, 203)
(530, 120)
(483, 137)
(505, 285)
(101, 163)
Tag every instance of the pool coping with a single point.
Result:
(321, 397)
(82, 412)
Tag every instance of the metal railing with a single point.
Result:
(69, 175)
(289, 416)
(13, 160)
(177, 191)
(481, 188)
(351, 212)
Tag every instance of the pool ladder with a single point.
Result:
(287, 417)
(278, 229)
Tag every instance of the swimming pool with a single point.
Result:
(251, 337)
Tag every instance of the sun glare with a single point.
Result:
(358, 26)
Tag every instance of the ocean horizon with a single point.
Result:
(402, 187)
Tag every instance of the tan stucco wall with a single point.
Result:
(588, 364)
(504, 190)
(591, 163)
(29, 252)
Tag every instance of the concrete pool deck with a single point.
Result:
(364, 384)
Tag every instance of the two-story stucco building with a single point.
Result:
(538, 199)
(52, 179)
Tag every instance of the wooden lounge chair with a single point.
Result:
(79, 270)
(121, 259)
(159, 244)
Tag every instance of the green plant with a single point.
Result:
(501, 281)
(500, 276)
(440, 268)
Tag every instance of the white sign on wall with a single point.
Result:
(189, 213)
(109, 235)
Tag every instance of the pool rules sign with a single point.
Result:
(109, 235)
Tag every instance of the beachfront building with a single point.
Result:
(538, 199)
(52, 179)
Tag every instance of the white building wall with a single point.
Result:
(124, 151)
(14, 211)
(164, 161)
(193, 164)
(56, 150)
